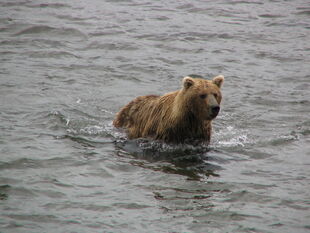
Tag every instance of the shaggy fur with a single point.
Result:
(175, 117)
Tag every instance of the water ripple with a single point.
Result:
(47, 31)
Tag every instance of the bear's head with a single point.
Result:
(202, 97)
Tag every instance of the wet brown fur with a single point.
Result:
(174, 117)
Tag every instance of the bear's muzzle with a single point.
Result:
(215, 111)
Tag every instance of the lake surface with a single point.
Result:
(66, 68)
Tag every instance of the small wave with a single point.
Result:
(82, 127)
(165, 147)
(12, 3)
(271, 16)
(51, 54)
(57, 120)
(35, 29)
(49, 5)
(153, 150)
(230, 137)
(92, 130)
(284, 139)
(304, 12)
(111, 32)
(112, 46)
(57, 32)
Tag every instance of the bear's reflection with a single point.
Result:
(190, 160)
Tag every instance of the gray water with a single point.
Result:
(66, 67)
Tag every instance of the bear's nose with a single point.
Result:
(215, 110)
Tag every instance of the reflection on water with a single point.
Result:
(187, 160)
(67, 68)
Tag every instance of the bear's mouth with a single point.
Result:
(214, 115)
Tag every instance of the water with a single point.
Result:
(67, 67)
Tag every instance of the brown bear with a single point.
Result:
(176, 117)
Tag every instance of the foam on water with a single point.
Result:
(230, 137)
(223, 138)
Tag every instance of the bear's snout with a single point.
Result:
(215, 110)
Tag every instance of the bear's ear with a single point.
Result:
(187, 82)
(218, 80)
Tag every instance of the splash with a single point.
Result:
(230, 137)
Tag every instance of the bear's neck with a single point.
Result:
(188, 127)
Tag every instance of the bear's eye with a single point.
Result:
(215, 95)
(203, 96)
